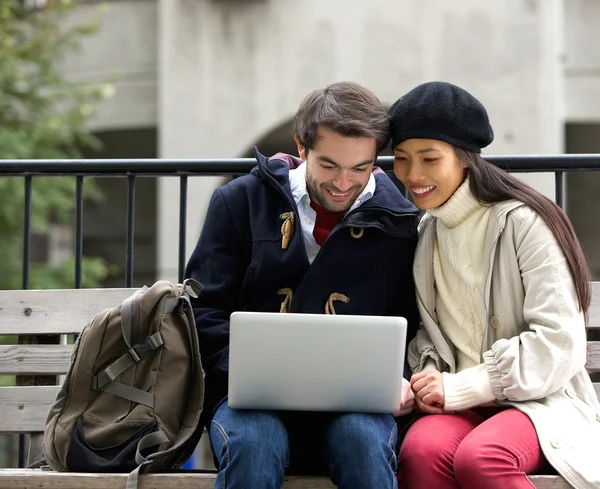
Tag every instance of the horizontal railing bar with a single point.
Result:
(237, 166)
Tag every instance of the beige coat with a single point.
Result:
(534, 343)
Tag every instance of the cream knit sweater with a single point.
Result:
(458, 272)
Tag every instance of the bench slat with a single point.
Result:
(68, 311)
(29, 479)
(593, 357)
(24, 409)
(35, 359)
(594, 310)
(56, 359)
(47, 312)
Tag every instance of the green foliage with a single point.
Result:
(43, 115)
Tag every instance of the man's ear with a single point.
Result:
(301, 149)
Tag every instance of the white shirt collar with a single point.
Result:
(300, 192)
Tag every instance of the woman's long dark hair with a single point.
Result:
(490, 184)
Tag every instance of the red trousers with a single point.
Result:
(475, 449)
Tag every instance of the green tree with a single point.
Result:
(43, 115)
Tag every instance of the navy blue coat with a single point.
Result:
(240, 261)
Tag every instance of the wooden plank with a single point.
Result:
(68, 311)
(35, 359)
(55, 359)
(593, 357)
(594, 310)
(37, 380)
(549, 482)
(24, 409)
(29, 479)
(47, 312)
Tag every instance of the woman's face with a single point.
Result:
(429, 169)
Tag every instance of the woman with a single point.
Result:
(503, 291)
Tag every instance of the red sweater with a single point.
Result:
(325, 222)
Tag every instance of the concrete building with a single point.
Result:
(210, 78)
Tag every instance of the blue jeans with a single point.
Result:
(253, 449)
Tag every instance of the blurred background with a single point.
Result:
(212, 78)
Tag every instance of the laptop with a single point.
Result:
(316, 362)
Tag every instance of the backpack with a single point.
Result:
(132, 398)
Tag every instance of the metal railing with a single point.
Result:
(184, 168)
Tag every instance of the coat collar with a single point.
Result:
(423, 266)
(423, 269)
(387, 202)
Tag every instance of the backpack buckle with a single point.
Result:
(141, 350)
(110, 374)
(136, 358)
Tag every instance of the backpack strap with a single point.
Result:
(130, 393)
(106, 379)
(134, 355)
(133, 477)
(192, 287)
(130, 314)
(152, 440)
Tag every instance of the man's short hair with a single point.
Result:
(346, 108)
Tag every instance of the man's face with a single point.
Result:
(337, 168)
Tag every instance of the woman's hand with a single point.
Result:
(428, 387)
(408, 399)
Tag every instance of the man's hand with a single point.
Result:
(408, 399)
(429, 391)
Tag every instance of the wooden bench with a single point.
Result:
(23, 408)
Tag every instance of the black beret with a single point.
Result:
(441, 111)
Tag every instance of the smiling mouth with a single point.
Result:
(422, 191)
(339, 195)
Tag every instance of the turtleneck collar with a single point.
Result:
(457, 208)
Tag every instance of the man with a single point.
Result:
(324, 233)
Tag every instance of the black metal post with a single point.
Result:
(130, 230)
(25, 277)
(183, 186)
(79, 231)
(27, 231)
(559, 188)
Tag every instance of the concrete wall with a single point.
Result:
(582, 60)
(231, 71)
(126, 47)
